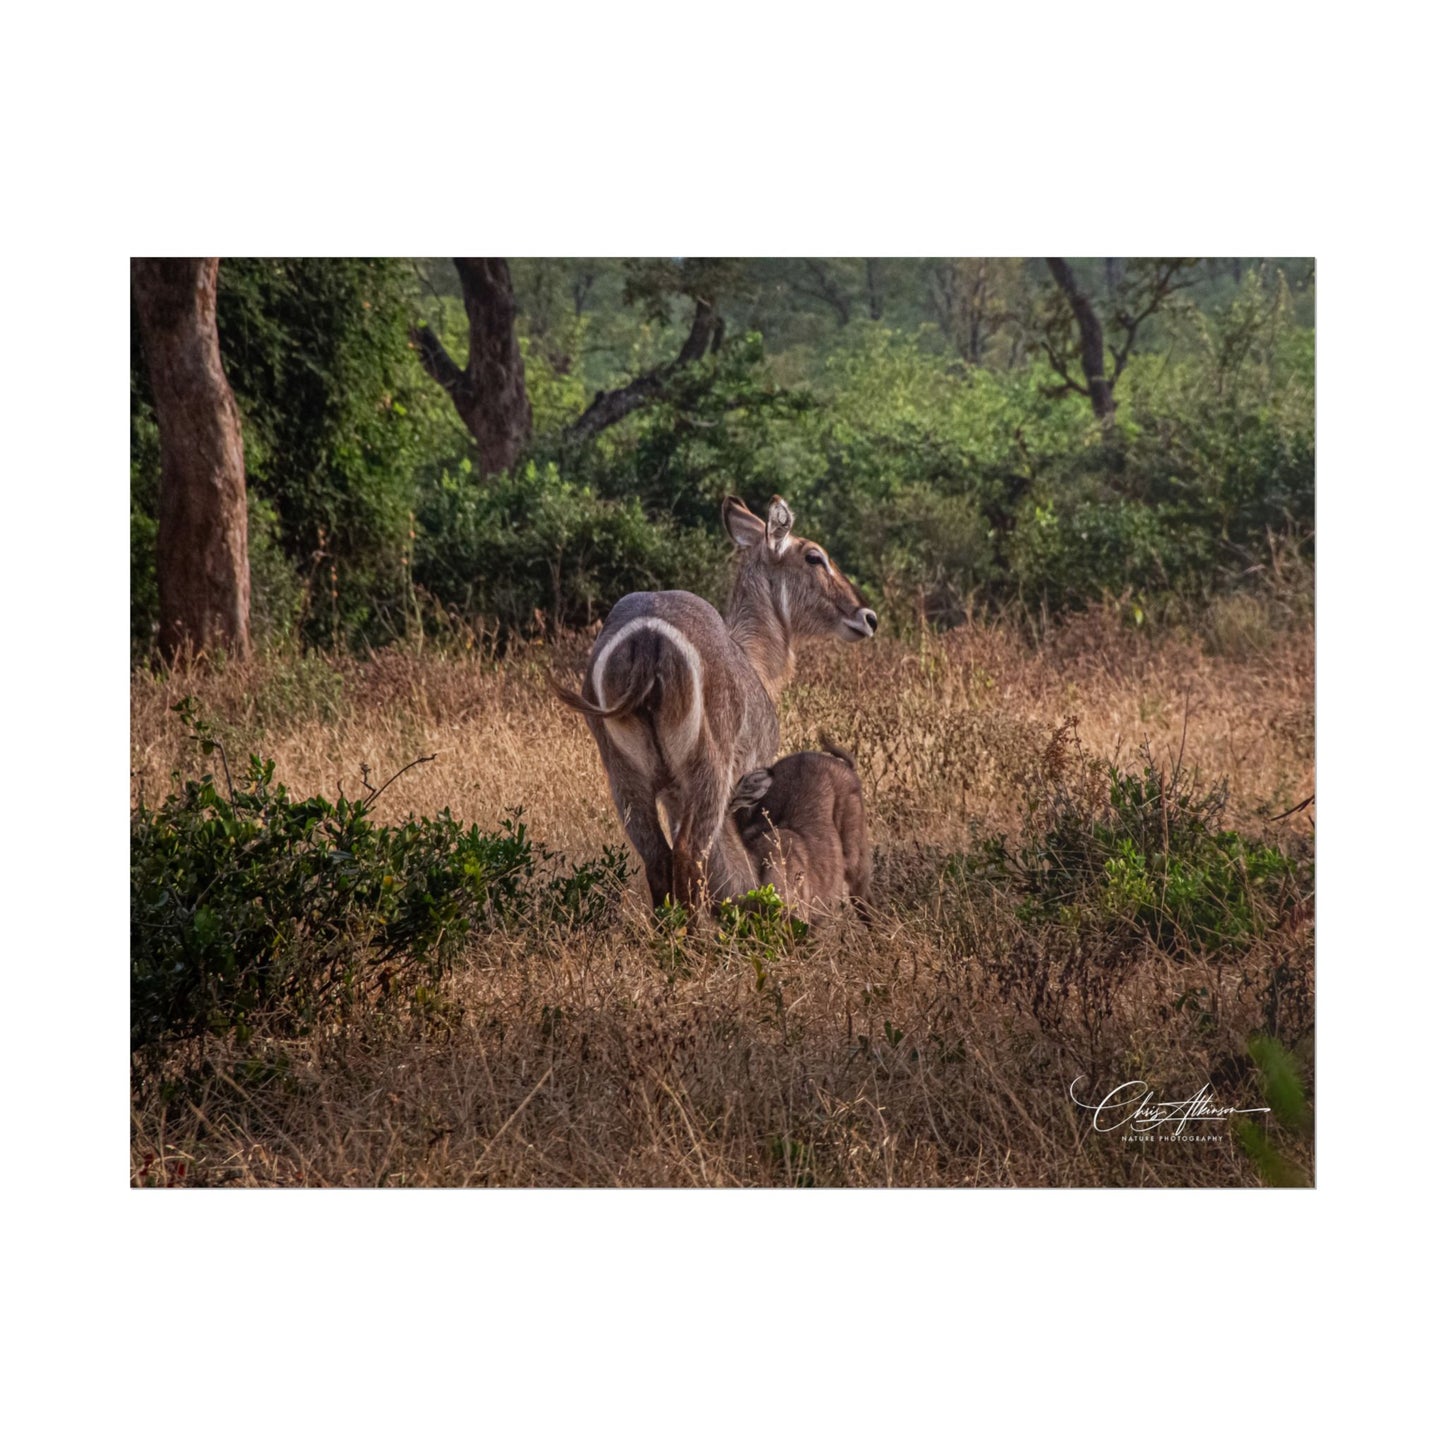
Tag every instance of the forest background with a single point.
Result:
(492, 450)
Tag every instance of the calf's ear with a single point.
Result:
(752, 788)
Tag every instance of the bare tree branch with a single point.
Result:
(609, 407)
(1061, 366)
(1160, 290)
(436, 361)
(827, 290)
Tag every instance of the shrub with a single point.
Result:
(535, 543)
(1142, 851)
(759, 923)
(1073, 552)
(1285, 1091)
(759, 928)
(913, 468)
(246, 902)
(337, 420)
(718, 426)
(278, 597)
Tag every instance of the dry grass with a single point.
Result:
(937, 1050)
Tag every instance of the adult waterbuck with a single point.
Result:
(683, 703)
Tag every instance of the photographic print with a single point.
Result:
(831, 723)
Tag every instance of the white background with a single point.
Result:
(660, 130)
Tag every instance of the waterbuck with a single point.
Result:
(803, 825)
(683, 703)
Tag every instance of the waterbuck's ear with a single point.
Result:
(752, 788)
(745, 529)
(780, 525)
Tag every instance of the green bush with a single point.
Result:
(1282, 1074)
(1145, 852)
(247, 903)
(1221, 437)
(278, 598)
(911, 468)
(1083, 549)
(533, 543)
(714, 429)
(338, 420)
(759, 920)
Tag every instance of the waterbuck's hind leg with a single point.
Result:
(731, 871)
(704, 807)
(637, 807)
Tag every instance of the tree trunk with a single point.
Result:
(1091, 339)
(873, 272)
(828, 291)
(490, 394)
(977, 307)
(202, 567)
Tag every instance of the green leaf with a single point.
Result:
(1284, 1090)
(1274, 1169)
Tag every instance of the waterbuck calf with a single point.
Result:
(803, 824)
(682, 702)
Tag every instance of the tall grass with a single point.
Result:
(937, 1049)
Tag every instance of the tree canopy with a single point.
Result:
(488, 447)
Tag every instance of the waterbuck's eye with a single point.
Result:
(816, 559)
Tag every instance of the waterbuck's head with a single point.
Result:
(792, 577)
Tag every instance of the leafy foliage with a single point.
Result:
(318, 355)
(1142, 851)
(707, 434)
(907, 409)
(533, 544)
(760, 919)
(247, 902)
(1285, 1093)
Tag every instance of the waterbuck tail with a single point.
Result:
(634, 694)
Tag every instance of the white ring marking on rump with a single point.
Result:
(679, 741)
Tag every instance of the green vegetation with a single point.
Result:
(759, 922)
(1287, 1096)
(534, 543)
(1143, 851)
(919, 415)
(248, 904)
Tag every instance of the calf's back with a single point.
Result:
(803, 823)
